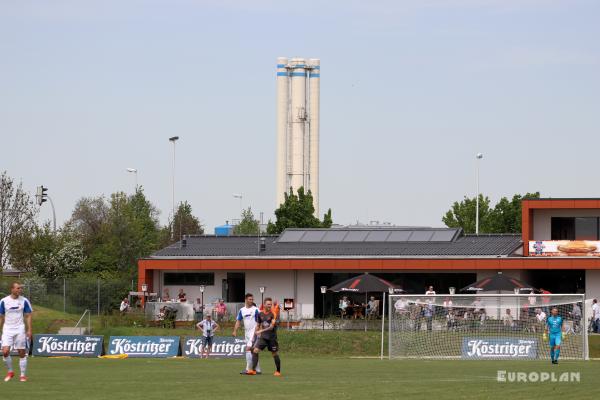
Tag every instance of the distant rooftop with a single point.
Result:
(348, 242)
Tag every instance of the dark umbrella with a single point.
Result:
(365, 283)
(498, 283)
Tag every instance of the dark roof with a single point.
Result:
(248, 246)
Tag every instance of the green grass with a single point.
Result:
(315, 378)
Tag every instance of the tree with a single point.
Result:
(17, 213)
(185, 223)
(47, 254)
(130, 231)
(504, 217)
(248, 224)
(297, 211)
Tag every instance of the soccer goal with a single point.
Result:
(484, 326)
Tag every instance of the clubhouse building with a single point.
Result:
(558, 250)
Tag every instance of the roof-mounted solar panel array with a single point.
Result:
(368, 235)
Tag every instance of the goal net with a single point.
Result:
(484, 326)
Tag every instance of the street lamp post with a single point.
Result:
(323, 291)
(144, 290)
(173, 139)
(262, 294)
(135, 172)
(202, 300)
(478, 157)
(239, 196)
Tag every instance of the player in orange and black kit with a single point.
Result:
(266, 336)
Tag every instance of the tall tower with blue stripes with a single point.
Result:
(298, 87)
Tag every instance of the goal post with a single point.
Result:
(484, 326)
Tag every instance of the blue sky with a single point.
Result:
(410, 92)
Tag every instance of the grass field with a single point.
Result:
(316, 364)
(336, 378)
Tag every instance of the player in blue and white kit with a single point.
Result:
(248, 315)
(15, 323)
(554, 326)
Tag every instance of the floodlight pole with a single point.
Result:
(478, 157)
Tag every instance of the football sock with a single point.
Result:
(8, 363)
(277, 363)
(248, 360)
(23, 365)
(254, 361)
(556, 354)
(552, 354)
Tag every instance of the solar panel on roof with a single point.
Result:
(443, 236)
(399, 236)
(377, 236)
(291, 236)
(313, 236)
(334, 236)
(420, 236)
(356, 236)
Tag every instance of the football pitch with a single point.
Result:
(303, 378)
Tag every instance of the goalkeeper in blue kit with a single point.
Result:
(554, 332)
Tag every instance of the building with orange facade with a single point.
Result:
(558, 250)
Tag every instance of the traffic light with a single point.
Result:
(41, 195)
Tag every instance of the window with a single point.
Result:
(189, 278)
(586, 228)
(575, 228)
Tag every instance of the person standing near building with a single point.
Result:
(430, 291)
(595, 316)
(248, 315)
(208, 328)
(15, 323)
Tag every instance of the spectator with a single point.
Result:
(343, 306)
(447, 303)
(416, 315)
(482, 317)
(540, 316)
(124, 306)
(508, 320)
(221, 310)
(400, 306)
(451, 320)
(545, 301)
(576, 315)
(199, 310)
(595, 316)
(430, 291)
(167, 296)
(372, 307)
(182, 296)
(477, 303)
(428, 314)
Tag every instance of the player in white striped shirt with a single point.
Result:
(15, 323)
(248, 315)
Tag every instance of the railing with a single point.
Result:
(88, 312)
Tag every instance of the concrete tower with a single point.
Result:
(298, 87)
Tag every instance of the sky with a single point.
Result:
(411, 91)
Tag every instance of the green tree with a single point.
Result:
(47, 254)
(504, 217)
(130, 231)
(185, 223)
(17, 213)
(248, 224)
(297, 211)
